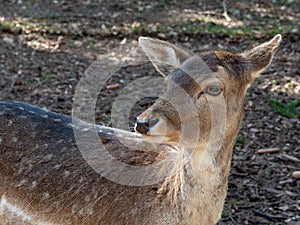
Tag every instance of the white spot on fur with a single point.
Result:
(90, 210)
(21, 108)
(66, 173)
(33, 184)
(57, 120)
(34, 134)
(14, 139)
(81, 211)
(4, 204)
(17, 212)
(57, 166)
(47, 157)
(46, 195)
(10, 122)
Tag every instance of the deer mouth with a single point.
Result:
(156, 130)
(161, 139)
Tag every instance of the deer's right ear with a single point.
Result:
(164, 56)
(259, 58)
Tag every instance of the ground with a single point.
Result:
(45, 49)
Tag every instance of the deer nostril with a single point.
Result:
(142, 126)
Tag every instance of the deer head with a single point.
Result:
(204, 97)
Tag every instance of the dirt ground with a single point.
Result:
(46, 47)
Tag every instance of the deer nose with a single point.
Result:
(143, 126)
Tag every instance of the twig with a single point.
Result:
(291, 158)
(113, 86)
(225, 14)
(267, 150)
(270, 216)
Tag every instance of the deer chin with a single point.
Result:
(173, 138)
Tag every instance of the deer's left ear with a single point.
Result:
(164, 56)
(259, 58)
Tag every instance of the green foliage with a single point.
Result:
(46, 78)
(225, 214)
(275, 82)
(91, 45)
(239, 140)
(289, 110)
(60, 25)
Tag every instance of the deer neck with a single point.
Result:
(213, 159)
(205, 183)
(201, 181)
(208, 171)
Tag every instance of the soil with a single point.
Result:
(42, 65)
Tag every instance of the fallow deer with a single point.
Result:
(46, 180)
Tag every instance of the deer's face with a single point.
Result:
(204, 94)
(193, 91)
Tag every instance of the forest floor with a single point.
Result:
(46, 47)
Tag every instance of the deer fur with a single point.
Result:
(45, 179)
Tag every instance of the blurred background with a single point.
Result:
(46, 46)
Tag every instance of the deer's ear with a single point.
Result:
(261, 56)
(164, 56)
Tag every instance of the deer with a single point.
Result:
(46, 180)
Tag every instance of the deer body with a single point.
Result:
(51, 178)
(45, 179)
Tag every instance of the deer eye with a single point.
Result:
(214, 90)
